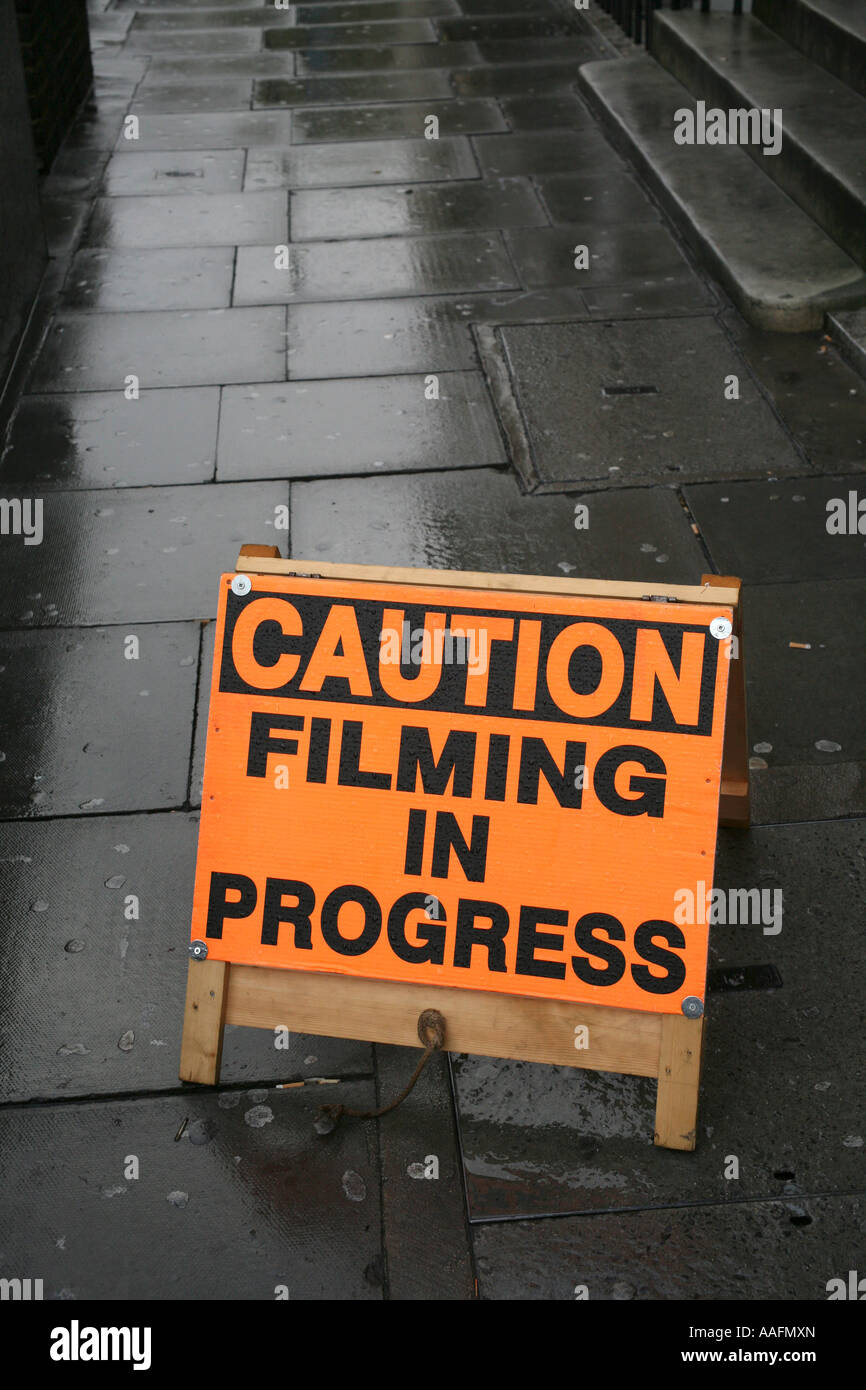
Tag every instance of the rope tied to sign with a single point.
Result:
(431, 1033)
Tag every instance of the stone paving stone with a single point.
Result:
(755, 1251)
(372, 268)
(627, 254)
(250, 1200)
(439, 1266)
(612, 196)
(799, 699)
(138, 555)
(238, 17)
(777, 531)
(106, 733)
(187, 279)
(501, 7)
(402, 58)
(404, 122)
(819, 397)
(63, 219)
(480, 520)
(361, 162)
(209, 219)
(514, 78)
(258, 7)
(204, 44)
(519, 26)
(356, 425)
(581, 427)
(545, 113)
(545, 152)
(325, 214)
(100, 439)
(368, 88)
(336, 36)
(365, 11)
(213, 130)
(199, 96)
(576, 49)
(78, 977)
(663, 298)
(94, 352)
(383, 336)
(165, 71)
(183, 172)
(775, 1091)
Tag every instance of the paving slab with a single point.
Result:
(431, 520)
(575, 49)
(237, 17)
(93, 984)
(801, 666)
(107, 734)
(819, 397)
(136, 555)
(406, 121)
(153, 279)
(631, 253)
(373, 268)
(385, 336)
(199, 347)
(226, 95)
(509, 79)
(198, 44)
(763, 1251)
(195, 221)
(357, 425)
(515, 26)
(212, 130)
(249, 1203)
(165, 71)
(187, 172)
(402, 58)
(368, 10)
(545, 152)
(778, 531)
(612, 197)
(361, 162)
(100, 439)
(628, 402)
(332, 36)
(775, 1091)
(545, 112)
(366, 87)
(666, 297)
(471, 205)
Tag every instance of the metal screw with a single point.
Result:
(720, 627)
(198, 950)
(693, 1007)
(241, 584)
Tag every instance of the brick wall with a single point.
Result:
(55, 48)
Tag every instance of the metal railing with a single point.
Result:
(634, 17)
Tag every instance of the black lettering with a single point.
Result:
(651, 803)
(431, 944)
(218, 906)
(415, 842)
(351, 774)
(585, 937)
(447, 835)
(647, 950)
(275, 911)
(530, 940)
(536, 758)
(317, 753)
(491, 937)
(351, 946)
(497, 767)
(416, 755)
(261, 743)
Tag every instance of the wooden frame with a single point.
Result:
(665, 1046)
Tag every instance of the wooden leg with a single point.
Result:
(679, 1081)
(734, 800)
(203, 1019)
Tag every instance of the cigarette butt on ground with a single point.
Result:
(804, 646)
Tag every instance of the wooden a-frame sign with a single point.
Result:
(528, 1022)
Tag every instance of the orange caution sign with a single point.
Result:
(495, 790)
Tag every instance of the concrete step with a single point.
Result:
(830, 32)
(730, 61)
(847, 328)
(781, 270)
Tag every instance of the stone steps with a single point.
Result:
(831, 32)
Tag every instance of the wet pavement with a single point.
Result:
(192, 386)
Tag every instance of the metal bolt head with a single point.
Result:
(198, 950)
(721, 627)
(693, 1007)
(241, 585)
